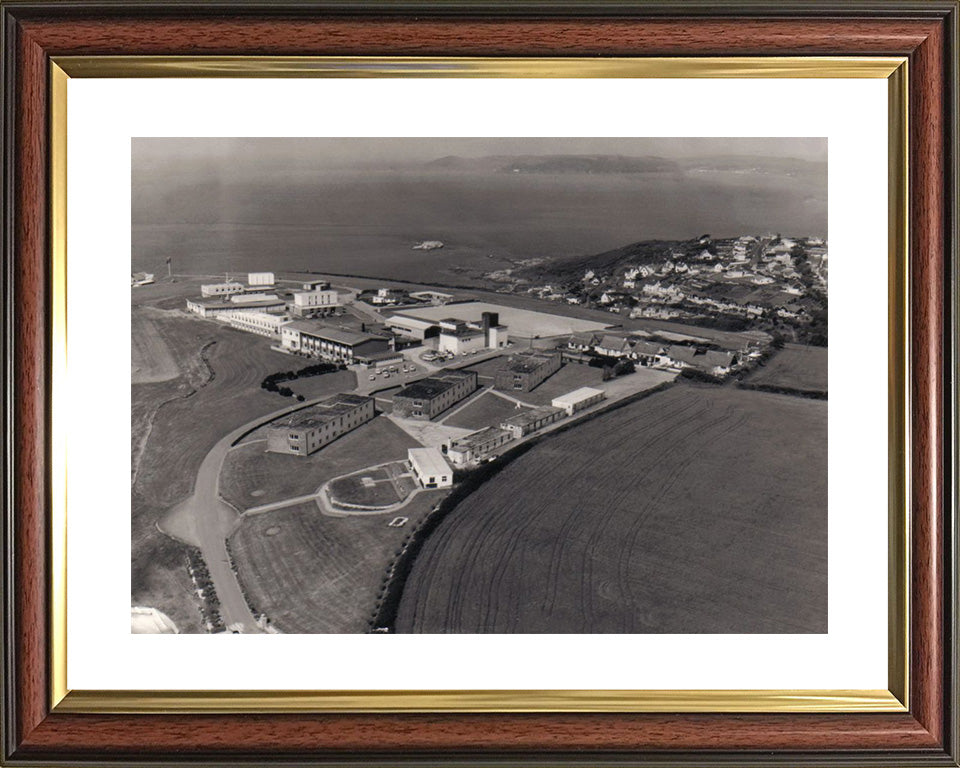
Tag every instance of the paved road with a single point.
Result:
(205, 521)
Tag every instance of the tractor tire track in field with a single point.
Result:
(699, 509)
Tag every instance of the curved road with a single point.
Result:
(206, 520)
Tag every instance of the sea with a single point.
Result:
(365, 221)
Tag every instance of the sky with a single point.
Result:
(361, 151)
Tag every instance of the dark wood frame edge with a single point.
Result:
(32, 736)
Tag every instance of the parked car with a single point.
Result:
(373, 377)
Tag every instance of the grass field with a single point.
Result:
(796, 367)
(484, 411)
(699, 509)
(570, 377)
(373, 488)
(310, 573)
(151, 360)
(318, 386)
(252, 477)
(165, 464)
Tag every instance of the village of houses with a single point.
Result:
(731, 283)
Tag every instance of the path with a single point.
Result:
(205, 520)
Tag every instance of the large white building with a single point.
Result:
(430, 468)
(261, 323)
(260, 279)
(578, 399)
(315, 303)
(459, 337)
(310, 429)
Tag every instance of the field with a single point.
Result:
(252, 477)
(484, 411)
(796, 367)
(696, 510)
(151, 360)
(310, 573)
(317, 386)
(217, 390)
(373, 488)
(570, 377)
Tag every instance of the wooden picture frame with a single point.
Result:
(40, 727)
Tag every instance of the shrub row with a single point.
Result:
(210, 603)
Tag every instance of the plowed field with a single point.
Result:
(697, 510)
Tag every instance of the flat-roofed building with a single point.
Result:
(578, 399)
(261, 323)
(316, 303)
(251, 302)
(459, 337)
(221, 289)
(433, 296)
(530, 421)
(316, 285)
(260, 279)
(430, 467)
(428, 397)
(525, 371)
(316, 340)
(308, 430)
(477, 445)
(413, 327)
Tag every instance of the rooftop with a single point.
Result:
(530, 417)
(322, 412)
(433, 385)
(584, 393)
(411, 322)
(430, 461)
(478, 438)
(222, 302)
(526, 362)
(326, 333)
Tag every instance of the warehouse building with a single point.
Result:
(525, 371)
(477, 445)
(430, 468)
(428, 397)
(247, 302)
(316, 303)
(313, 339)
(530, 421)
(261, 323)
(413, 327)
(578, 399)
(306, 431)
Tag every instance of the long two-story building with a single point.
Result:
(428, 397)
(308, 430)
(314, 339)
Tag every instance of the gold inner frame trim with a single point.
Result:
(434, 66)
(893, 69)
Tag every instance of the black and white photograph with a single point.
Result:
(479, 385)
